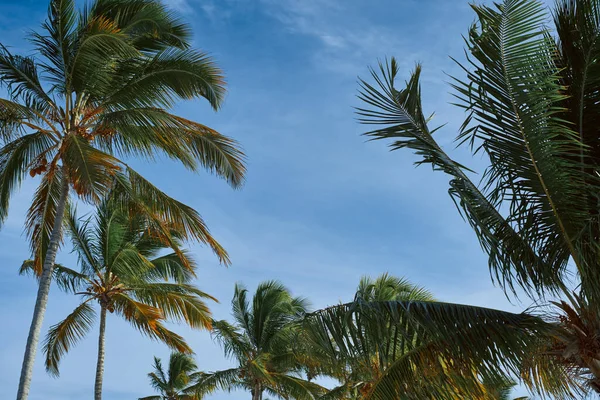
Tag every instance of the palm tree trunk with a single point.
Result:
(42, 295)
(257, 392)
(100, 365)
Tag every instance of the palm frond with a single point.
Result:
(150, 25)
(390, 288)
(82, 241)
(167, 76)
(57, 46)
(41, 214)
(171, 267)
(16, 159)
(64, 335)
(294, 387)
(511, 258)
(177, 301)
(90, 170)
(234, 343)
(21, 77)
(146, 319)
(66, 279)
(15, 118)
(514, 99)
(143, 131)
(450, 344)
(99, 44)
(137, 194)
(227, 380)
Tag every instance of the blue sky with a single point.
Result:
(321, 207)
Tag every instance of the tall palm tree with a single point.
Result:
(531, 99)
(125, 270)
(175, 383)
(260, 341)
(395, 341)
(101, 86)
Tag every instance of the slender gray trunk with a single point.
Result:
(100, 365)
(42, 295)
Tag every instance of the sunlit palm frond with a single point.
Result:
(173, 340)
(177, 301)
(42, 213)
(147, 319)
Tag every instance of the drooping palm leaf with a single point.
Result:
(433, 348)
(64, 335)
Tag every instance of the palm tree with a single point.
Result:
(260, 341)
(357, 378)
(125, 270)
(531, 102)
(175, 383)
(100, 87)
(395, 341)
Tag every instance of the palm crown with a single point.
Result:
(261, 342)
(103, 88)
(174, 384)
(124, 270)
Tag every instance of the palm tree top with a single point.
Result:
(174, 383)
(99, 90)
(130, 272)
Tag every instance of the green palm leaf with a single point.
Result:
(64, 335)
(433, 348)
(177, 301)
(16, 159)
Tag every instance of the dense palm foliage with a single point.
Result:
(124, 270)
(261, 343)
(100, 87)
(531, 101)
(395, 341)
(356, 376)
(175, 383)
